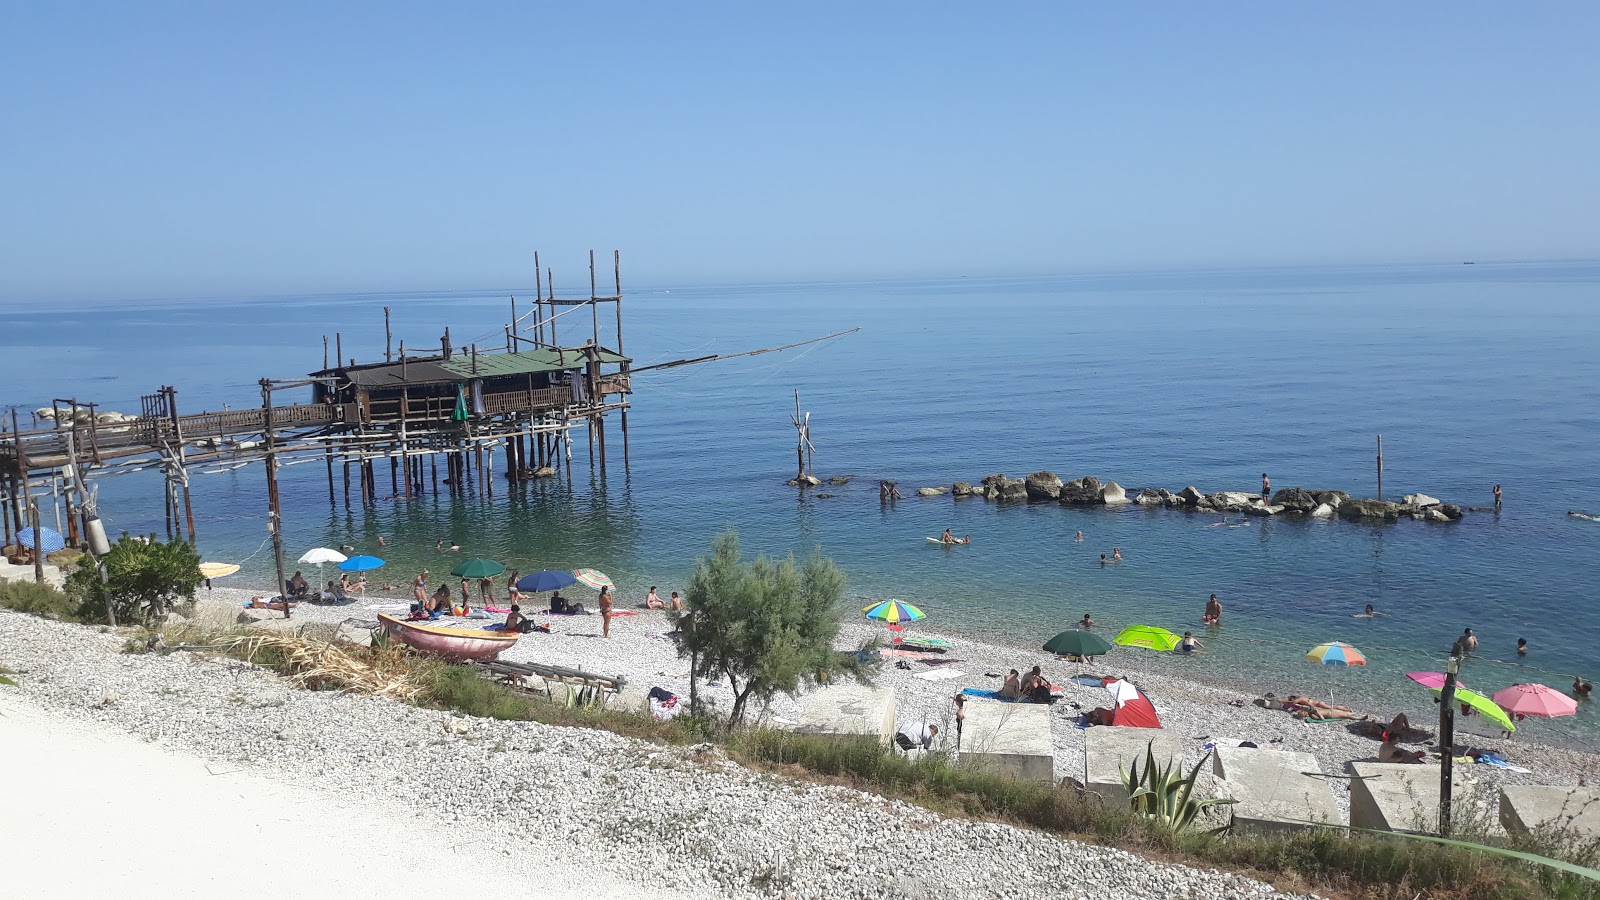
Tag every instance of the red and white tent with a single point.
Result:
(1130, 707)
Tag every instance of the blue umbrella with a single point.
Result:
(361, 564)
(49, 541)
(548, 580)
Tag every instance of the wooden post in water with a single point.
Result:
(616, 268)
(388, 338)
(1380, 467)
(274, 506)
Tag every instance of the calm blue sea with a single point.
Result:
(1473, 374)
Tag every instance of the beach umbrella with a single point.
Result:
(1077, 643)
(49, 540)
(1336, 653)
(1432, 680)
(319, 555)
(361, 564)
(593, 578)
(217, 570)
(1484, 706)
(1147, 636)
(1535, 700)
(546, 580)
(893, 611)
(478, 568)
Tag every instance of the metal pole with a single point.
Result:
(1447, 740)
(1380, 467)
(28, 504)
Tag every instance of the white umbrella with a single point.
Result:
(317, 557)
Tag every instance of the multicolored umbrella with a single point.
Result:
(1485, 707)
(893, 611)
(361, 564)
(49, 540)
(1535, 700)
(478, 568)
(1432, 680)
(217, 570)
(593, 578)
(1077, 643)
(1147, 636)
(1336, 653)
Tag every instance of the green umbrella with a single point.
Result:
(460, 414)
(478, 568)
(1078, 643)
(1148, 637)
(1485, 706)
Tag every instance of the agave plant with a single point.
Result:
(1163, 792)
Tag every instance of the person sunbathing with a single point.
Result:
(515, 620)
(1012, 689)
(1315, 703)
(1390, 752)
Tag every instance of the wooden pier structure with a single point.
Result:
(414, 409)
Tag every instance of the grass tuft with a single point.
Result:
(38, 599)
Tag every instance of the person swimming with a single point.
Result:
(1189, 644)
(1086, 622)
(1213, 613)
(1585, 516)
(948, 538)
(1079, 538)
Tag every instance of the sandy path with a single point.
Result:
(91, 811)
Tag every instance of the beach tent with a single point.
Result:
(1130, 707)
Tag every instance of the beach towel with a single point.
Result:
(939, 674)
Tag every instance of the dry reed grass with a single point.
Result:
(320, 665)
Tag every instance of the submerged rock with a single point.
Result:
(930, 491)
(1084, 491)
(1295, 500)
(1043, 485)
(1370, 509)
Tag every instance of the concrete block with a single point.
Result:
(1014, 738)
(1273, 789)
(52, 574)
(1404, 797)
(849, 709)
(1563, 814)
(1108, 749)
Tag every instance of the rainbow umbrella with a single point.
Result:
(893, 611)
(1535, 700)
(1147, 636)
(1485, 707)
(593, 578)
(1336, 653)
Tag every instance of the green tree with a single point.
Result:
(143, 580)
(762, 626)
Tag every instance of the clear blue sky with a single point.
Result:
(192, 149)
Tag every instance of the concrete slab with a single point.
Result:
(52, 574)
(1559, 813)
(1108, 749)
(1405, 798)
(1013, 738)
(849, 709)
(1273, 789)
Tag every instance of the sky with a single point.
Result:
(153, 150)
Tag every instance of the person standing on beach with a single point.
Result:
(677, 602)
(1213, 614)
(485, 591)
(605, 612)
(511, 586)
(419, 588)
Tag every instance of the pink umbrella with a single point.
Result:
(1535, 700)
(1433, 681)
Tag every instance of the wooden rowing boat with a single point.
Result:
(450, 643)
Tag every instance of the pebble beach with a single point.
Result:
(1197, 712)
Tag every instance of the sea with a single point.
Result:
(1473, 374)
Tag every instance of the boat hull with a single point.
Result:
(450, 643)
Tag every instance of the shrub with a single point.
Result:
(764, 626)
(38, 599)
(142, 581)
